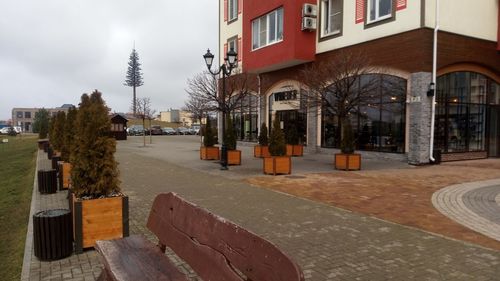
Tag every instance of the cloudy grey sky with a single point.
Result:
(52, 51)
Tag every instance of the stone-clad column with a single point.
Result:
(419, 105)
(312, 130)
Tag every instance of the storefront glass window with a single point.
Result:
(379, 123)
(461, 111)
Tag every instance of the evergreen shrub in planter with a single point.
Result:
(347, 159)
(100, 210)
(262, 149)
(208, 151)
(278, 162)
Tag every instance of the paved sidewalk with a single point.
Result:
(328, 243)
(475, 205)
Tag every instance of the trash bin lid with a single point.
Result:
(52, 213)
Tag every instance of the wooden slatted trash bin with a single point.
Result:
(47, 181)
(55, 159)
(52, 234)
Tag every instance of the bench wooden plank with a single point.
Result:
(135, 258)
(214, 247)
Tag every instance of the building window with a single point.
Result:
(232, 43)
(232, 7)
(27, 115)
(379, 10)
(267, 29)
(245, 118)
(378, 123)
(19, 114)
(463, 100)
(286, 95)
(331, 17)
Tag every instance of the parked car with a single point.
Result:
(168, 131)
(6, 130)
(182, 131)
(135, 130)
(156, 130)
(195, 129)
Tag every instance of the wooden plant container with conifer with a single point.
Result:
(100, 210)
(262, 149)
(293, 146)
(208, 151)
(65, 174)
(233, 155)
(278, 162)
(99, 219)
(347, 160)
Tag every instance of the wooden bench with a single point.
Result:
(215, 248)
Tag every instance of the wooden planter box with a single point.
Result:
(64, 175)
(348, 162)
(209, 153)
(261, 151)
(294, 150)
(234, 157)
(277, 165)
(99, 219)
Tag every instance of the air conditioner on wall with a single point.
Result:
(309, 10)
(308, 23)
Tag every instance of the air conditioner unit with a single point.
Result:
(309, 10)
(308, 23)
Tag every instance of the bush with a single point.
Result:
(208, 134)
(277, 146)
(230, 135)
(263, 140)
(94, 172)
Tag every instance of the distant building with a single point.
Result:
(24, 117)
(177, 116)
(172, 116)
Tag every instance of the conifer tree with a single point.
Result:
(41, 123)
(134, 76)
(58, 125)
(69, 134)
(94, 172)
(277, 146)
(208, 136)
(230, 135)
(263, 140)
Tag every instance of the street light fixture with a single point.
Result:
(226, 68)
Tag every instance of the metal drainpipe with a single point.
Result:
(259, 122)
(434, 69)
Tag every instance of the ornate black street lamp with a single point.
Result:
(225, 69)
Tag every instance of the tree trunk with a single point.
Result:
(144, 130)
(134, 104)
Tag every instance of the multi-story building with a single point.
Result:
(24, 117)
(276, 39)
(177, 116)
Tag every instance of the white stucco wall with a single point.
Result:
(352, 33)
(474, 18)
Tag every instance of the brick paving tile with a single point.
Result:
(327, 242)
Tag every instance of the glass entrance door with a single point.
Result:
(494, 132)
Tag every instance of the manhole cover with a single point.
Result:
(295, 177)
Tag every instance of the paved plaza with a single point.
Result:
(327, 242)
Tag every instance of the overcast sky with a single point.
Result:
(52, 51)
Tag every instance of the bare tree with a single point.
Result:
(198, 107)
(339, 85)
(205, 88)
(144, 112)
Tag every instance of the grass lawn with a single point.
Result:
(17, 168)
